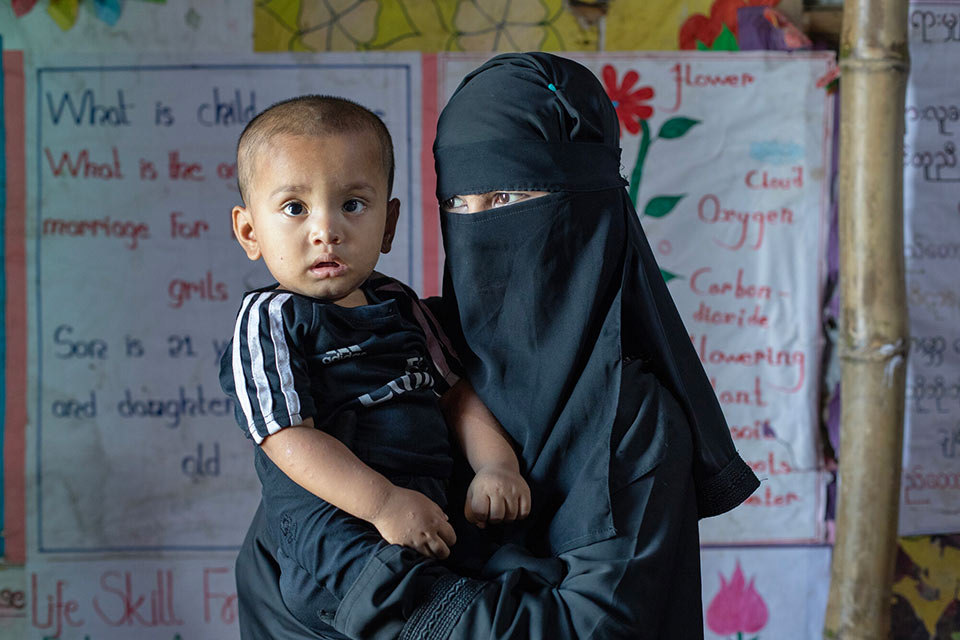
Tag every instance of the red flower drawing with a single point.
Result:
(627, 102)
(737, 607)
(705, 29)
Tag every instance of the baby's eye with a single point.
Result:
(293, 209)
(354, 206)
(454, 205)
(503, 198)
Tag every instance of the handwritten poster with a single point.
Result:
(726, 157)
(139, 485)
(776, 593)
(930, 500)
(13, 602)
(150, 600)
(135, 280)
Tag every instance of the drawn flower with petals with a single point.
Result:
(737, 607)
(628, 102)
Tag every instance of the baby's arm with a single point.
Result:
(498, 492)
(325, 467)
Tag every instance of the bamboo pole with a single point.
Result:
(873, 334)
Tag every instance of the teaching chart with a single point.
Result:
(140, 485)
(930, 498)
(727, 158)
(135, 280)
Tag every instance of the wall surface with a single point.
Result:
(104, 541)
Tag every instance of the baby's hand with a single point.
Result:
(413, 520)
(497, 495)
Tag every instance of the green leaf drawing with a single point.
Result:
(676, 127)
(661, 205)
(668, 276)
(702, 47)
(726, 41)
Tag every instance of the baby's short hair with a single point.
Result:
(310, 115)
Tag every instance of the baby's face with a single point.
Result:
(318, 214)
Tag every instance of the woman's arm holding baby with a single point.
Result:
(498, 492)
(325, 467)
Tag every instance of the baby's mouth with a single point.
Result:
(327, 267)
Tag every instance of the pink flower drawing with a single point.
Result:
(737, 608)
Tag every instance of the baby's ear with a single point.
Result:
(244, 232)
(390, 228)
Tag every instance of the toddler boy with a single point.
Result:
(340, 374)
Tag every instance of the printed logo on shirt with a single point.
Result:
(416, 377)
(345, 353)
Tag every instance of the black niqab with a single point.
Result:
(555, 294)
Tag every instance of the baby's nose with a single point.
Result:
(324, 229)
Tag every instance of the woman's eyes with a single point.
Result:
(504, 198)
(454, 205)
(483, 201)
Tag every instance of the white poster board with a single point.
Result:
(776, 593)
(133, 286)
(733, 196)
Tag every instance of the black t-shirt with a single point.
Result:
(370, 376)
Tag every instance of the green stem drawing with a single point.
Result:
(641, 157)
(662, 205)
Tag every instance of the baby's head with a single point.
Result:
(315, 174)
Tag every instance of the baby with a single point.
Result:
(342, 375)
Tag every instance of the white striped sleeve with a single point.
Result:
(282, 357)
(264, 366)
(239, 378)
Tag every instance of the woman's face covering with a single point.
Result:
(478, 202)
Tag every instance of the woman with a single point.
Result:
(570, 337)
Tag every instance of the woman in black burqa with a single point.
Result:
(569, 335)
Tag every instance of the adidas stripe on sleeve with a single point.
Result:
(269, 372)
